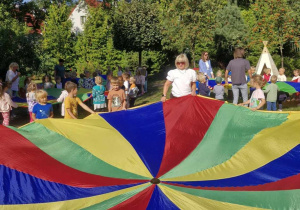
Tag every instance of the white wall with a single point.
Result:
(80, 10)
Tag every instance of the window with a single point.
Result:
(82, 19)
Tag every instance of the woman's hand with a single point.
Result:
(193, 93)
(163, 99)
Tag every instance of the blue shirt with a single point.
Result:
(42, 111)
(203, 68)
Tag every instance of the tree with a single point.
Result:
(230, 31)
(16, 45)
(276, 22)
(189, 24)
(94, 47)
(136, 27)
(58, 40)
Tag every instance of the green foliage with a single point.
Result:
(92, 47)
(15, 43)
(273, 21)
(230, 31)
(136, 26)
(187, 24)
(58, 41)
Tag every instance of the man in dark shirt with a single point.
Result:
(59, 70)
(238, 67)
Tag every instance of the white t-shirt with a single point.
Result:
(181, 81)
(9, 77)
(256, 97)
(207, 64)
(296, 78)
(126, 85)
(281, 78)
(62, 98)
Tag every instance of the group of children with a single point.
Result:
(257, 95)
(123, 92)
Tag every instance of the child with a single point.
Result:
(281, 77)
(126, 85)
(121, 83)
(71, 102)
(252, 72)
(62, 98)
(30, 97)
(203, 89)
(88, 82)
(74, 77)
(133, 91)
(27, 81)
(98, 95)
(108, 86)
(58, 84)
(81, 81)
(5, 104)
(219, 73)
(267, 74)
(271, 91)
(140, 81)
(257, 100)
(219, 89)
(47, 83)
(116, 97)
(296, 77)
(42, 109)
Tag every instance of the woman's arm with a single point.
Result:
(193, 89)
(165, 90)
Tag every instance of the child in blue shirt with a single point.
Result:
(98, 95)
(42, 109)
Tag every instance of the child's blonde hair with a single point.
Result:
(201, 78)
(252, 68)
(44, 78)
(31, 87)
(114, 81)
(70, 86)
(297, 70)
(274, 79)
(126, 75)
(40, 94)
(266, 70)
(283, 69)
(219, 73)
(98, 80)
(132, 79)
(259, 80)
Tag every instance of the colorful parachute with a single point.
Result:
(186, 153)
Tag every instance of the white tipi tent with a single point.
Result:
(266, 61)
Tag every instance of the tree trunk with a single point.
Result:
(281, 54)
(140, 58)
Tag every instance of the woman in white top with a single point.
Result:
(183, 79)
(14, 77)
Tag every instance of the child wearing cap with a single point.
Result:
(219, 89)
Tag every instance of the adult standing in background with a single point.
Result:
(205, 65)
(13, 76)
(238, 67)
(59, 70)
(182, 78)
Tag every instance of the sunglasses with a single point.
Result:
(180, 63)
(206, 54)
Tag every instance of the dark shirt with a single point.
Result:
(238, 67)
(60, 71)
(203, 89)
